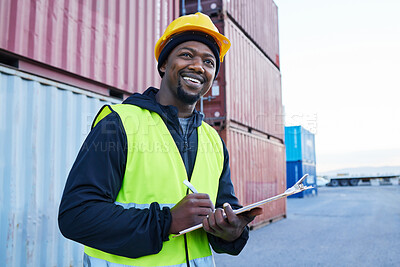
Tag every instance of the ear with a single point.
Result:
(163, 66)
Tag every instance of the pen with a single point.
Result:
(190, 186)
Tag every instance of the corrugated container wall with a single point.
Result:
(108, 43)
(258, 171)
(253, 86)
(42, 126)
(295, 170)
(258, 19)
(300, 144)
(248, 87)
(245, 102)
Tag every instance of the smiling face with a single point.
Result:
(189, 73)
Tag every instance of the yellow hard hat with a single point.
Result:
(193, 22)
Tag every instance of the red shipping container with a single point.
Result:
(258, 19)
(253, 86)
(258, 170)
(96, 45)
(248, 88)
(245, 106)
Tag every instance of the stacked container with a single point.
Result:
(103, 46)
(60, 61)
(245, 103)
(300, 158)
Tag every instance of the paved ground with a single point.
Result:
(342, 226)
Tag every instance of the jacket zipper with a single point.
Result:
(186, 251)
(185, 147)
(185, 138)
(186, 245)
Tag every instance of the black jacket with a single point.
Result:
(87, 212)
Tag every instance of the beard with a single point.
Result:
(185, 97)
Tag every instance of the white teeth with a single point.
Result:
(191, 79)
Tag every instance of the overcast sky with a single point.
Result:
(340, 65)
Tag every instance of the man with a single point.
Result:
(125, 198)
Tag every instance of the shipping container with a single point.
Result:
(105, 46)
(257, 170)
(245, 103)
(258, 20)
(42, 126)
(300, 144)
(212, 8)
(253, 86)
(247, 89)
(295, 170)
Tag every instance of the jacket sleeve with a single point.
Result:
(225, 194)
(87, 211)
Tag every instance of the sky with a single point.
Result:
(340, 66)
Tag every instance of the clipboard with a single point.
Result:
(296, 188)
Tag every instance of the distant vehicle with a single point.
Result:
(321, 181)
(345, 180)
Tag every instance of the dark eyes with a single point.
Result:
(206, 61)
(186, 55)
(209, 62)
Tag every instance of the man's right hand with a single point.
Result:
(191, 210)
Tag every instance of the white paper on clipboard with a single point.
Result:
(296, 188)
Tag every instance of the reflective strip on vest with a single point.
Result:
(94, 262)
(154, 173)
(142, 206)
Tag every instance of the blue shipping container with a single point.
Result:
(42, 126)
(295, 170)
(300, 144)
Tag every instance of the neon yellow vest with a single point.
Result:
(155, 172)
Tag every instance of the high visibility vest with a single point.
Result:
(155, 173)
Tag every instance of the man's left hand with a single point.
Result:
(231, 226)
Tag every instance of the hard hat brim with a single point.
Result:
(223, 42)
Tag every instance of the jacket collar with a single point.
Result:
(169, 114)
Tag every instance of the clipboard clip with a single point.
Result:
(298, 186)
